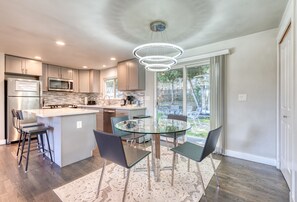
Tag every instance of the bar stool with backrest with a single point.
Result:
(112, 149)
(30, 132)
(19, 126)
(198, 153)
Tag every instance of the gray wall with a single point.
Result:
(250, 127)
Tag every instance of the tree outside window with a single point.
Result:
(111, 88)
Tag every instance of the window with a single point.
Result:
(111, 88)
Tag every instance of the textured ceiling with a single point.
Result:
(95, 30)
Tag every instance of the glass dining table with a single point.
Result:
(156, 129)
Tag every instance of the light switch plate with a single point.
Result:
(79, 124)
(242, 97)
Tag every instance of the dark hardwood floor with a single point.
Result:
(240, 180)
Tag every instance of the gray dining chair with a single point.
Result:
(112, 149)
(176, 135)
(132, 137)
(198, 153)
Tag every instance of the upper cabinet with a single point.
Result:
(22, 66)
(131, 75)
(89, 81)
(59, 72)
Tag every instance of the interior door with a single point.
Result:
(286, 104)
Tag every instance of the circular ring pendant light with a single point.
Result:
(158, 56)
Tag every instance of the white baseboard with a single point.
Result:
(2, 142)
(251, 157)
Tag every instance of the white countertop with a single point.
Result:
(60, 112)
(126, 107)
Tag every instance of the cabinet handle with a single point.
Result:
(285, 116)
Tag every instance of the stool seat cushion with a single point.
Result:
(28, 125)
(36, 129)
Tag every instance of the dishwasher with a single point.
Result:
(107, 114)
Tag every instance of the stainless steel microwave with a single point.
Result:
(56, 84)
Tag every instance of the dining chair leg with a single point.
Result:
(28, 153)
(100, 181)
(172, 174)
(126, 185)
(199, 173)
(149, 173)
(19, 143)
(22, 150)
(42, 145)
(167, 143)
(214, 169)
(49, 147)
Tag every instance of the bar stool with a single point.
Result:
(19, 126)
(37, 131)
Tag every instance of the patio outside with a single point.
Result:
(170, 97)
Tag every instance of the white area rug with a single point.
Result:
(187, 186)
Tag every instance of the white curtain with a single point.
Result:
(217, 68)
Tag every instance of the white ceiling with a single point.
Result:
(95, 30)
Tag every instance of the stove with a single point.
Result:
(55, 106)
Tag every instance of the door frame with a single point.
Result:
(288, 19)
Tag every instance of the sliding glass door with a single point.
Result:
(186, 91)
(169, 93)
(198, 100)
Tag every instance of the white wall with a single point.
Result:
(250, 127)
(2, 112)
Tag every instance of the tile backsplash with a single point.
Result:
(51, 97)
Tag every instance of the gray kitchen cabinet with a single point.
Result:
(19, 65)
(75, 80)
(131, 75)
(84, 81)
(60, 72)
(89, 81)
(44, 77)
(55, 71)
(94, 81)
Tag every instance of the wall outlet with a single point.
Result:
(79, 124)
(242, 97)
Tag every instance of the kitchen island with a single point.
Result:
(72, 138)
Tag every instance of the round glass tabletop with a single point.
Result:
(151, 126)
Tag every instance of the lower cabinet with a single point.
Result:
(99, 120)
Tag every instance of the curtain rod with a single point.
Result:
(205, 55)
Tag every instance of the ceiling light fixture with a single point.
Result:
(85, 67)
(158, 56)
(60, 43)
(103, 65)
(37, 57)
(113, 59)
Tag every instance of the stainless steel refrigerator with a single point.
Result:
(20, 94)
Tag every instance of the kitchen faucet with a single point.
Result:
(108, 103)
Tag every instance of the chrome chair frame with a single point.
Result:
(197, 153)
(117, 153)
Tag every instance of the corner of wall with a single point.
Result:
(2, 108)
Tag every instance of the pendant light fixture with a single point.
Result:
(158, 56)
